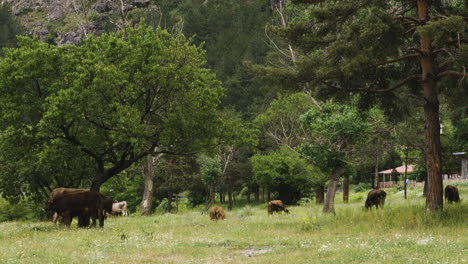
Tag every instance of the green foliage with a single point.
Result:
(9, 28)
(335, 130)
(441, 31)
(113, 99)
(210, 169)
(284, 172)
(25, 209)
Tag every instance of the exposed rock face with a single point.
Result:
(70, 21)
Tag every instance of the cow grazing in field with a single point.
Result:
(276, 206)
(217, 213)
(69, 203)
(83, 220)
(452, 194)
(376, 197)
(119, 208)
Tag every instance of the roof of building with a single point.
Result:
(400, 170)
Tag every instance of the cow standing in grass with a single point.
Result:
(276, 206)
(69, 203)
(375, 197)
(451, 194)
(119, 208)
(217, 213)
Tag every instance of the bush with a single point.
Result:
(246, 211)
(363, 186)
(23, 210)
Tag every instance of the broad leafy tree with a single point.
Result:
(280, 123)
(285, 173)
(384, 46)
(115, 99)
(336, 130)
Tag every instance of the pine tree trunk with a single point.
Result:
(434, 198)
(248, 195)
(328, 206)
(346, 189)
(148, 176)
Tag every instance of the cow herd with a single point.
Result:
(68, 203)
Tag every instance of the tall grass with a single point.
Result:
(400, 233)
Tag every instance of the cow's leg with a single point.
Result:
(55, 218)
(100, 215)
(67, 219)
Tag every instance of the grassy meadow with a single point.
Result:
(400, 233)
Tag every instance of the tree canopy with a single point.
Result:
(110, 102)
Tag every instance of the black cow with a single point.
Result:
(451, 194)
(69, 203)
(376, 197)
(276, 206)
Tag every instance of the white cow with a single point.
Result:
(119, 208)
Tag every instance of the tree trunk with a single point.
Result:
(328, 206)
(346, 189)
(434, 198)
(257, 194)
(169, 202)
(148, 176)
(406, 172)
(210, 198)
(376, 177)
(248, 195)
(230, 199)
(98, 181)
(319, 194)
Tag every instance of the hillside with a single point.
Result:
(69, 21)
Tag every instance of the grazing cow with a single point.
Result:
(451, 194)
(119, 208)
(376, 197)
(83, 220)
(276, 206)
(217, 213)
(82, 203)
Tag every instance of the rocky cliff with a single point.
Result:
(69, 21)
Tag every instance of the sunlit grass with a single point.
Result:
(400, 233)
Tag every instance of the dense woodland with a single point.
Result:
(220, 100)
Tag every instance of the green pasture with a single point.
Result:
(400, 233)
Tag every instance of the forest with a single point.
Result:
(221, 101)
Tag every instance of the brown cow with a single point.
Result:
(452, 194)
(375, 197)
(276, 206)
(82, 203)
(217, 213)
(83, 220)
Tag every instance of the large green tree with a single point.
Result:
(335, 133)
(284, 172)
(115, 99)
(381, 46)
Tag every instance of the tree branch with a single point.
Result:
(397, 59)
(396, 86)
(453, 73)
(413, 19)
